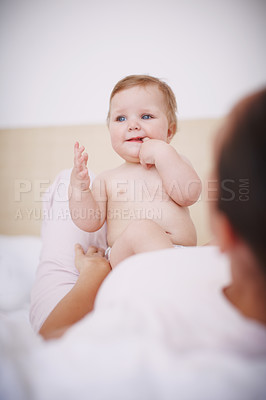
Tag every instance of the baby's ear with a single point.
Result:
(171, 131)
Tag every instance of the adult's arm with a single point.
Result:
(93, 268)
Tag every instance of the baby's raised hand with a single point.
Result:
(80, 177)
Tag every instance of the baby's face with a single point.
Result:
(137, 113)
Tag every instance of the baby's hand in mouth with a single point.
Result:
(146, 155)
(145, 139)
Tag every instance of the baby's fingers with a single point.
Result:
(78, 150)
(80, 160)
(145, 139)
(145, 165)
(76, 147)
(78, 164)
(82, 165)
(83, 173)
(84, 159)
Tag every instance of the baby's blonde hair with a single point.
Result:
(143, 81)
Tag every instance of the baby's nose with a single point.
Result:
(133, 125)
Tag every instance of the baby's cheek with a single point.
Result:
(115, 145)
(160, 134)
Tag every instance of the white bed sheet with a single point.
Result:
(87, 363)
(19, 257)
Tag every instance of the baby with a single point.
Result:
(145, 200)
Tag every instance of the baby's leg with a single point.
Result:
(139, 237)
(56, 274)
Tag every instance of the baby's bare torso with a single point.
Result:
(136, 193)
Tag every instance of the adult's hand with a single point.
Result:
(79, 301)
(93, 258)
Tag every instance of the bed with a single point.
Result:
(30, 160)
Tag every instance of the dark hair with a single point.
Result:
(242, 173)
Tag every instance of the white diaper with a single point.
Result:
(108, 253)
(108, 250)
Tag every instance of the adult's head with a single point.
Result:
(241, 174)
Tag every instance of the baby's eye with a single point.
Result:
(146, 116)
(121, 118)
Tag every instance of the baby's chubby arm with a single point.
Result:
(179, 178)
(87, 208)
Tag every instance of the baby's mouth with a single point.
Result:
(136, 139)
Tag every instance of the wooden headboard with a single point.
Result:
(31, 158)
